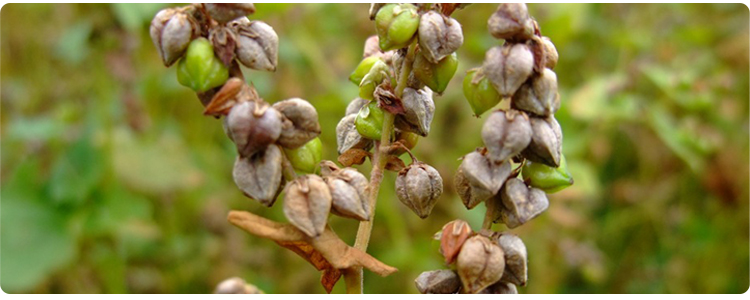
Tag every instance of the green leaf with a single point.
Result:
(76, 173)
(73, 44)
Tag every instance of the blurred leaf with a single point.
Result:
(76, 173)
(73, 44)
(42, 128)
(593, 97)
(663, 125)
(133, 16)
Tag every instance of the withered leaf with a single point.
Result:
(354, 157)
(394, 164)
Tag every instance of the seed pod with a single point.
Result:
(374, 8)
(254, 126)
(435, 76)
(438, 282)
(452, 238)
(407, 139)
(224, 41)
(505, 134)
(257, 44)
(300, 122)
(200, 70)
(516, 259)
(171, 31)
(396, 25)
(479, 91)
(538, 95)
(500, 288)
(480, 263)
(225, 12)
(363, 68)
(355, 105)
(419, 109)
(259, 176)
(550, 53)
(511, 21)
(471, 195)
(547, 178)
(418, 186)
(347, 136)
(483, 172)
(508, 66)
(307, 203)
(521, 203)
(236, 285)
(372, 79)
(439, 36)
(348, 191)
(306, 158)
(546, 142)
(369, 121)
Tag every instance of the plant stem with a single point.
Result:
(354, 277)
(487, 222)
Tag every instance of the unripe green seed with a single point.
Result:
(372, 79)
(363, 68)
(369, 121)
(479, 92)
(547, 178)
(396, 25)
(436, 76)
(306, 158)
(200, 70)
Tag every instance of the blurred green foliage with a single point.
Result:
(113, 181)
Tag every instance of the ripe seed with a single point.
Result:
(521, 203)
(171, 31)
(348, 191)
(300, 122)
(439, 36)
(452, 238)
(348, 137)
(550, 53)
(225, 12)
(257, 44)
(259, 176)
(480, 263)
(546, 142)
(500, 288)
(538, 95)
(508, 67)
(254, 126)
(506, 134)
(236, 285)
(438, 282)
(471, 195)
(419, 109)
(418, 186)
(516, 259)
(307, 203)
(510, 20)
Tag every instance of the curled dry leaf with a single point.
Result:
(353, 157)
(300, 122)
(480, 263)
(452, 237)
(307, 203)
(438, 282)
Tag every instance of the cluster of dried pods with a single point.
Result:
(526, 133)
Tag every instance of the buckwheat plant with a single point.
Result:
(527, 134)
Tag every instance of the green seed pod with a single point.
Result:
(547, 178)
(436, 76)
(375, 75)
(363, 68)
(479, 92)
(306, 158)
(369, 121)
(396, 25)
(200, 70)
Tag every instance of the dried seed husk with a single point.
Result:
(225, 12)
(500, 288)
(419, 109)
(435, 75)
(483, 172)
(171, 31)
(257, 44)
(348, 191)
(546, 142)
(439, 36)
(510, 21)
(418, 186)
(508, 67)
(254, 126)
(505, 134)
(516, 259)
(355, 105)
(550, 53)
(438, 282)
(307, 202)
(547, 178)
(452, 237)
(538, 95)
(347, 136)
(521, 203)
(224, 41)
(471, 195)
(300, 123)
(259, 176)
(236, 285)
(480, 263)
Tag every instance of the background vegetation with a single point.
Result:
(113, 181)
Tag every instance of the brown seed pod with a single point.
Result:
(418, 186)
(480, 264)
(171, 30)
(471, 195)
(257, 44)
(307, 203)
(550, 53)
(225, 12)
(516, 259)
(254, 126)
(521, 203)
(259, 176)
(508, 67)
(452, 237)
(483, 172)
(538, 95)
(347, 136)
(300, 123)
(546, 142)
(419, 109)
(348, 191)
(355, 105)
(439, 36)
(236, 285)
(505, 134)
(500, 288)
(438, 282)
(511, 21)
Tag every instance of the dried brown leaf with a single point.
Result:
(353, 157)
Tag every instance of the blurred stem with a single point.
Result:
(403, 78)
(487, 223)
